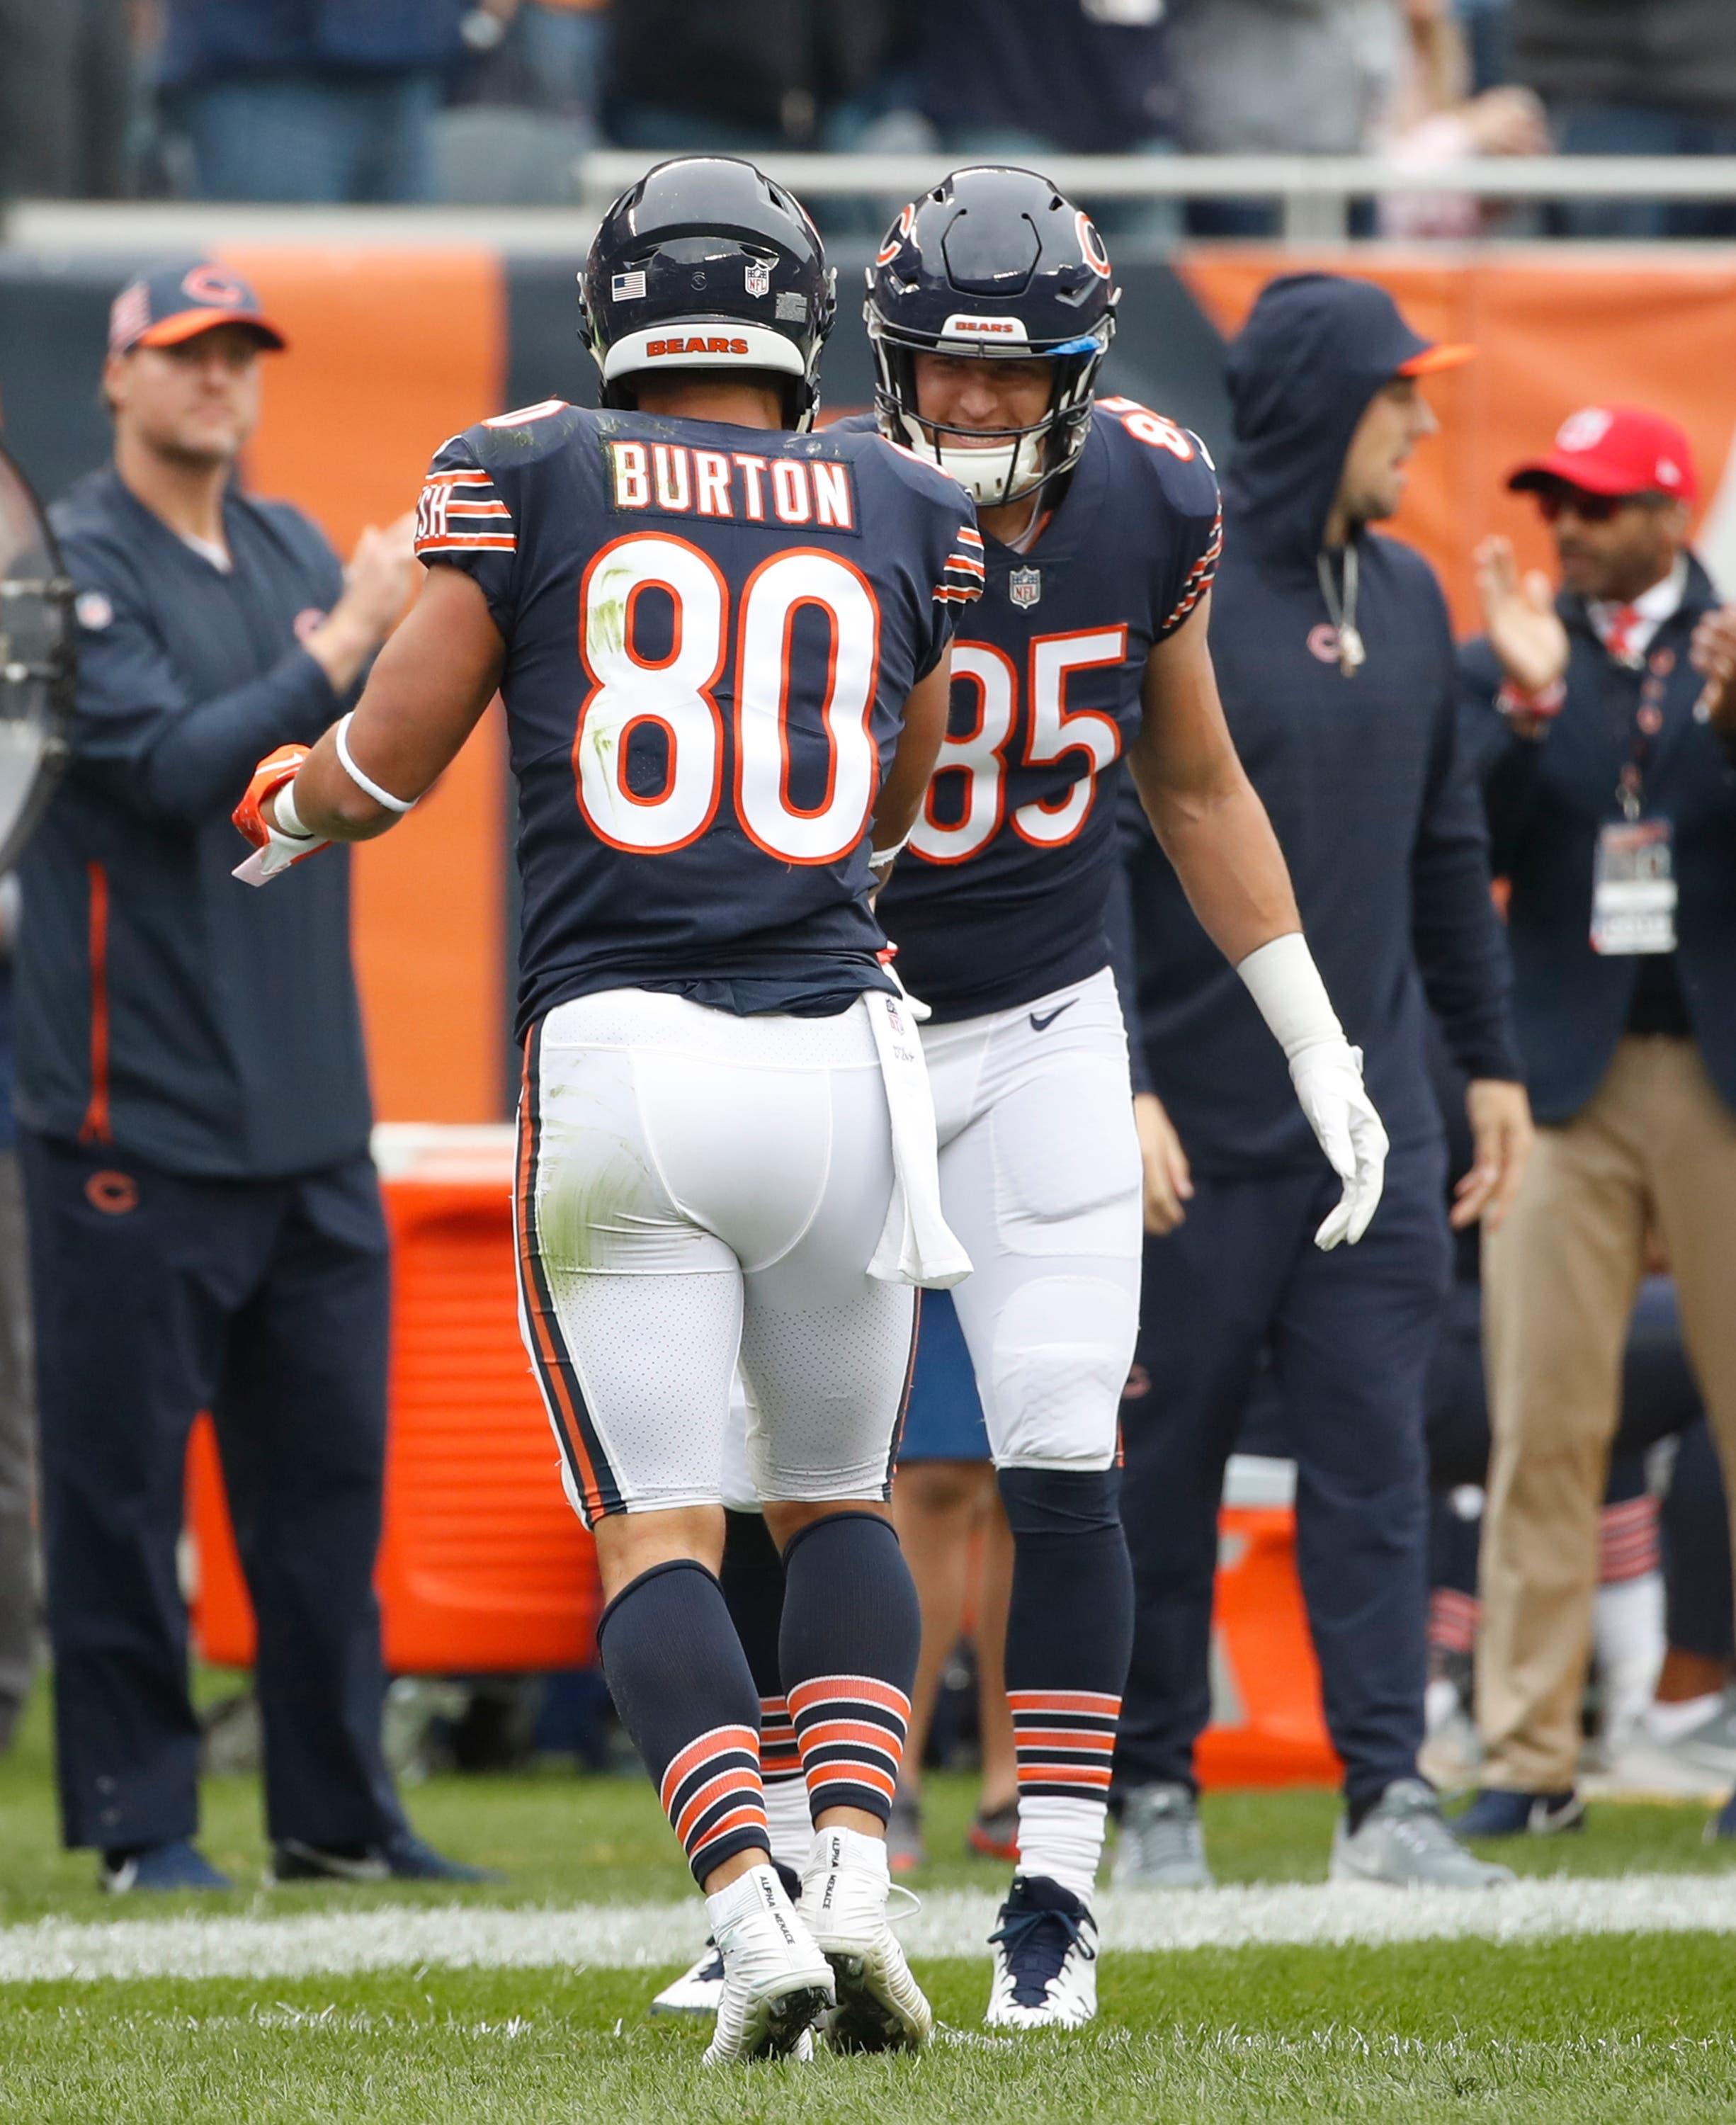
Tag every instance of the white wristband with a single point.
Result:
(347, 761)
(286, 819)
(884, 859)
(1284, 981)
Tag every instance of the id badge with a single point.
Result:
(1634, 889)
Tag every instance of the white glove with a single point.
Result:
(1328, 1076)
(1326, 1072)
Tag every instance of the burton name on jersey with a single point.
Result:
(711, 631)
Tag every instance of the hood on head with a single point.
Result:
(1314, 349)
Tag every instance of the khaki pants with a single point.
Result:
(1655, 1144)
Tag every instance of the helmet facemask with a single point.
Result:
(994, 466)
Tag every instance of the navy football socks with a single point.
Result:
(682, 1685)
(752, 1580)
(1070, 1637)
(847, 1649)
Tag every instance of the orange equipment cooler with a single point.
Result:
(483, 1564)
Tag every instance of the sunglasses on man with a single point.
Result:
(1554, 502)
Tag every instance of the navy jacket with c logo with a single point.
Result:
(1547, 799)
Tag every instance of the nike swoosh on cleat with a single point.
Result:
(1049, 1017)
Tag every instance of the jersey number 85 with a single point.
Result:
(1054, 732)
(675, 693)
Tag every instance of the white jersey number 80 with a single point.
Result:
(676, 695)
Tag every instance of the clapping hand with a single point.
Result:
(1713, 655)
(1524, 628)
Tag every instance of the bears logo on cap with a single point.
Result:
(211, 284)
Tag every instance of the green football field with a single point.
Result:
(526, 2001)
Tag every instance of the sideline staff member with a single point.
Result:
(1604, 720)
(1335, 661)
(204, 1222)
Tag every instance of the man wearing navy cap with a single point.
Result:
(205, 1226)
(1604, 718)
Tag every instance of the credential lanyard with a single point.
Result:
(1643, 733)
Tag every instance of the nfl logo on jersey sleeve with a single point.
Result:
(1024, 586)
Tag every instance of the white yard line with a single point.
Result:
(952, 1923)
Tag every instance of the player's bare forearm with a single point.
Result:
(1202, 807)
(913, 762)
(428, 689)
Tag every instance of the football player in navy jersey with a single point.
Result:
(990, 309)
(722, 645)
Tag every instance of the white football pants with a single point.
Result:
(1040, 1181)
(693, 1186)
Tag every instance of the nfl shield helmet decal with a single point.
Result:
(758, 277)
(1024, 586)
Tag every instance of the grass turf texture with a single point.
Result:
(1618, 2027)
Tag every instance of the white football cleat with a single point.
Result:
(844, 1887)
(776, 1982)
(1045, 1959)
(697, 1990)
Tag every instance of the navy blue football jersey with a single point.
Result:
(711, 631)
(1000, 895)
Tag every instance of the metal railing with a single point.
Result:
(1314, 194)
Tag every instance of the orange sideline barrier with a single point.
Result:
(483, 1565)
(391, 352)
(1267, 1728)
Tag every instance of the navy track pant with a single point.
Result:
(155, 1296)
(1350, 1335)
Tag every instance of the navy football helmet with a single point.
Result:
(993, 263)
(706, 263)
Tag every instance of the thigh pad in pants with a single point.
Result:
(1042, 1184)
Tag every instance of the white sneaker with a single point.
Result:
(776, 1982)
(697, 1990)
(1045, 1959)
(844, 1886)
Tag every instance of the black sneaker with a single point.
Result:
(1497, 1814)
(402, 1857)
(164, 1867)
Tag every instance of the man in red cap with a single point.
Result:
(204, 1222)
(1604, 720)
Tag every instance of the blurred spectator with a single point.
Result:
(1605, 722)
(18, 1603)
(1016, 81)
(68, 99)
(564, 53)
(308, 100)
(1487, 30)
(740, 76)
(1633, 78)
(1277, 76)
(1005, 79)
(549, 56)
(1435, 118)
